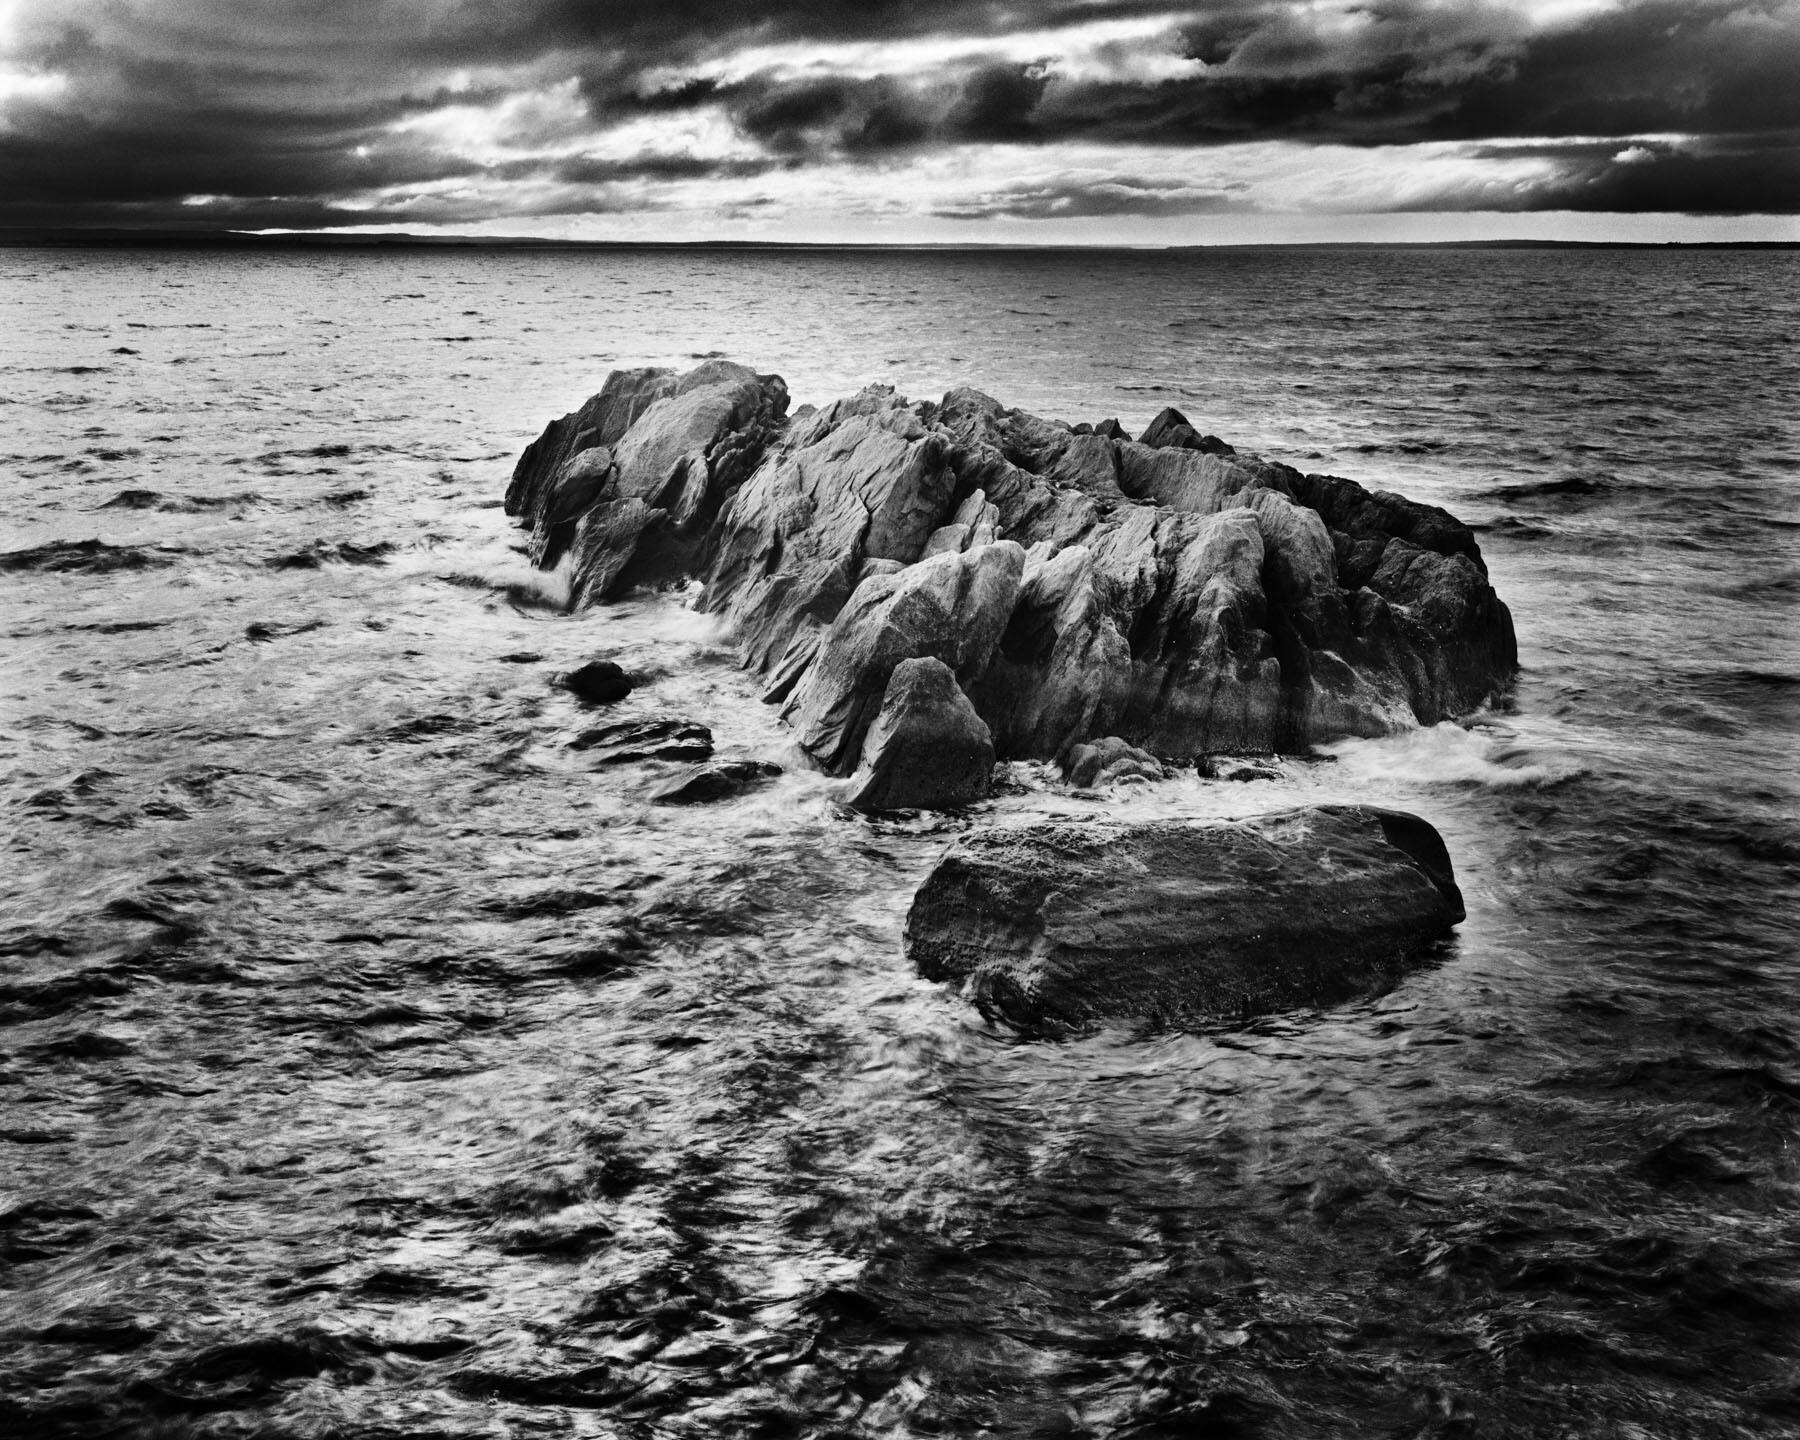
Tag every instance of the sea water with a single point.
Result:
(370, 1064)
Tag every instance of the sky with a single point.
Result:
(908, 121)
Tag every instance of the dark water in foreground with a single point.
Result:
(370, 1066)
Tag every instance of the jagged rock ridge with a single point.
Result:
(1076, 583)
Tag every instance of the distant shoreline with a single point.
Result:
(80, 239)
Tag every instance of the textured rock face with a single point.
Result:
(1062, 926)
(650, 456)
(1109, 759)
(928, 749)
(950, 608)
(1175, 594)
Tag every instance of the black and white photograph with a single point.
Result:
(774, 720)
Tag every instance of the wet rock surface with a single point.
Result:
(599, 682)
(948, 610)
(643, 467)
(1170, 591)
(662, 737)
(927, 749)
(1227, 767)
(1057, 927)
(1109, 759)
(707, 783)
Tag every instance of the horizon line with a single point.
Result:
(56, 237)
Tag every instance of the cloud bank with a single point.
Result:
(689, 118)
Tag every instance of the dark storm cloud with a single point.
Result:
(1113, 196)
(1406, 74)
(71, 159)
(681, 30)
(260, 140)
(987, 104)
(1710, 180)
(1409, 74)
(585, 170)
(261, 213)
(1697, 68)
(134, 133)
(317, 110)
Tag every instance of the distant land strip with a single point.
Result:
(76, 238)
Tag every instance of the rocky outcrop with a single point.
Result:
(1171, 592)
(928, 749)
(1061, 926)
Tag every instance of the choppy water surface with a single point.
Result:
(371, 1065)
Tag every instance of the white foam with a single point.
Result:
(1449, 754)
(493, 565)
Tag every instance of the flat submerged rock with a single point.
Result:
(1059, 927)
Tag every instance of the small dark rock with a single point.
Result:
(1224, 767)
(706, 783)
(599, 682)
(664, 738)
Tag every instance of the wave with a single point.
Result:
(1448, 754)
(512, 575)
(1578, 487)
(319, 554)
(1779, 585)
(177, 504)
(1518, 527)
(91, 557)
